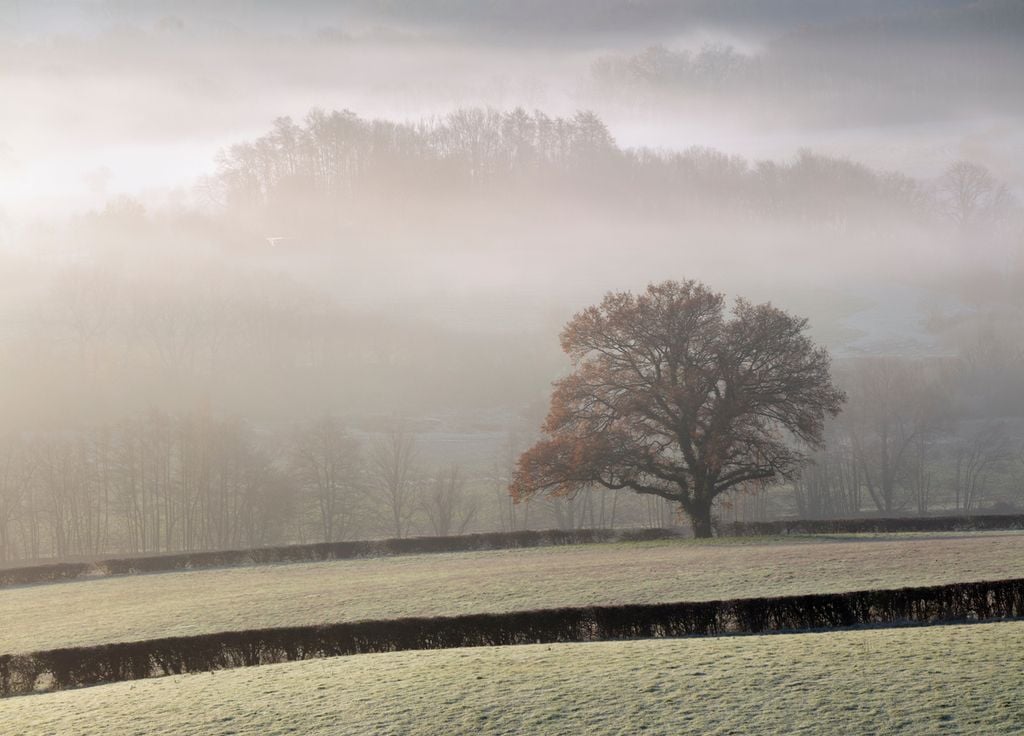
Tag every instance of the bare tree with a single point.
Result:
(448, 507)
(831, 485)
(977, 455)
(16, 471)
(326, 463)
(392, 470)
(85, 305)
(896, 408)
(503, 470)
(970, 195)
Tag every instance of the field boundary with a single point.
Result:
(59, 669)
(323, 552)
(990, 522)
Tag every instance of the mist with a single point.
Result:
(382, 213)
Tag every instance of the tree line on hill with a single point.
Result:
(905, 66)
(916, 438)
(921, 435)
(159, 483)
(336, 162)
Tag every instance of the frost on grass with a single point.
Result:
(148, 606)
(932, 680)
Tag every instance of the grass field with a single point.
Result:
(141, 607)
(930, 680)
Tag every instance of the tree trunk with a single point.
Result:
(700, 517)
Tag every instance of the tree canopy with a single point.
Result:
(671, 396)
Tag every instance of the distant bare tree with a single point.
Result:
(85, 304)
(895, 408)
(16, 471)
(568, 512)
(977, 455)
(502, 471)
(326, 463)
(969, 194)
(448, 507)
(831, 485)
(269, 503)
(920, 475)
(392, 470)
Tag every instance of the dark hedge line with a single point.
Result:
(58, 572)
(323, 551)
(76, 667)
(866, 526)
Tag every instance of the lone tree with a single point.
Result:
(672, 397)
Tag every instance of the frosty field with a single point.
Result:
(916, 681)
(146, 606)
